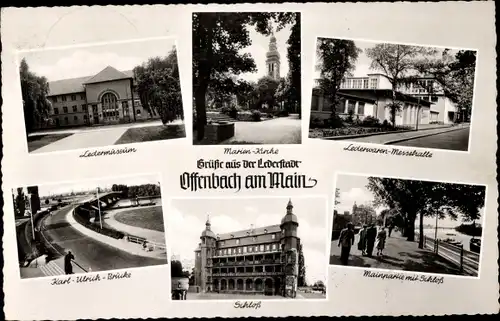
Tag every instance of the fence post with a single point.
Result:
(461, 258)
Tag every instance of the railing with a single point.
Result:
(256, 262)
(250, 253)
(247, 274)
(150, 245)
(467, 261)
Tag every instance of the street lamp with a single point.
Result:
(99, 207)
(31, 216)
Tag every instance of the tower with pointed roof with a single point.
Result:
(273, 59)
(290, 251)
(205, 254)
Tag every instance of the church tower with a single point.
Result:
(273, 59)
(206, 252)
(290, 251)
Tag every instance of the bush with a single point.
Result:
(386, 124)
(435, 122)
(281, 113)
(233, 112)
(335, 121)
(316, 122)
(256, 115)
(269, 115)
(370, 121)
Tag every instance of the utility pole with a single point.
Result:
(436, 232)
(31, 214)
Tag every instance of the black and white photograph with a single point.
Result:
(89, 226)
(101, 95)
(407, 224)
(393, 94)
(248, 248)
(246, 78)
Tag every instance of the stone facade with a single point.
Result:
(255, 261)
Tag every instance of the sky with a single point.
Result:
(46, 190)
(352, 189)
(259, 48)
(56, 64)
(187, 219)
(363, 63)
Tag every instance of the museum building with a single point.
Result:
(260, 260)
(109, 97)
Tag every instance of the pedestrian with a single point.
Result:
(371, 235)
(145, 245)
(362, 240)
(346, 239)
(381, 237)
(390, 229)
(68, 267)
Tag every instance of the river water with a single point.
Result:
(441, 234)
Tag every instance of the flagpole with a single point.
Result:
(99, 208)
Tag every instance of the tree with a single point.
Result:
(336, 60)
(36, 105)
(176, 269)
(20, 202)
(455, 74)
(423, 198)
(47, 201)
(217, 42)
(398, 63)
(158, 86)
(301, 279)
(266, 91)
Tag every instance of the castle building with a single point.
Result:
(273, 59)
(263, 260)
(109, 97)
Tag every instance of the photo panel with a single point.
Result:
(102, 94)
(392, 94)
(89, 226)
(246, 78)
(258, 248)
(401, 224)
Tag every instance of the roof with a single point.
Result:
(76, 85)
(387, 93)
(107, 74)
(249, 232)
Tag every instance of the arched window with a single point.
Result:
(109, 106)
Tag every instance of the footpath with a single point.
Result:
(391, 138)
(399, 254)
(40, 268)
(123, 244)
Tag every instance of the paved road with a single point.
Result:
(88, 252)
(454, 140)
(282, 130)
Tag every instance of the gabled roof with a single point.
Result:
(107, 74)
(250, 232)
(76, 85)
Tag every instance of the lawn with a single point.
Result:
(145, 134)
(36, 142)
(150, 218)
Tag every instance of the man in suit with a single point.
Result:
(68, 267)
(371, 235)
(346, 240)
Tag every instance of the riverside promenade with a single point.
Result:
(399, 254)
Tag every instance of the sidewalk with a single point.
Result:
(399, 254)
(390, 138)
(39, 268)
(150, 235)
(122, 244)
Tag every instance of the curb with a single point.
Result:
(421, 136)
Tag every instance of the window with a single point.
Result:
(373, 83)
(73, 97)
(82, 97)
(274, 247)
(66, 120)
(365, 83)
(256, 249)
(265, 231)
(75, 118)
(75, 109)
(84, 117)
(249, 249)
(273, 236)
(340, 108)
(63, 98)
(65, 109)
(94, 109)
(84, 108)
(268, 247)
(254, 238)
(222, 243)
(262, 247)
(237, 241)
(138, 112)
(283, 232)
(56, 111)
(244, 249)
(351, 104)
(361, 108)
